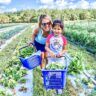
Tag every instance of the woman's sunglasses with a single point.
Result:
(48, 23)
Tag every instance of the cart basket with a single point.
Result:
(54, 79)
(32, 61)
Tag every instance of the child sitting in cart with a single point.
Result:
(56, 44)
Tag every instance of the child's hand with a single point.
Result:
(52, 54)
(59, 55)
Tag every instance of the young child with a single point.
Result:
(56, 43)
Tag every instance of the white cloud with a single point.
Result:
(5, 1)
(72, 5)
(12, 10)
(47, 1)
(93, 5)
(59, 4)
(79, 4)
(43, 6)
(8, 10)
(2, 8)
(1, 11)
(82, 4)
(63, 4)
(37, 1)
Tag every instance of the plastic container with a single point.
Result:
(54, 79)
(32, 61)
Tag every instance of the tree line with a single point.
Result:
(31, 16)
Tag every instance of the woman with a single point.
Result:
(40, 34)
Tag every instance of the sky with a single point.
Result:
(17, 5)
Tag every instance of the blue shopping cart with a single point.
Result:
(52, 79)
(32, 61)
(55, 79)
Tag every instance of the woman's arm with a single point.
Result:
(35, 32)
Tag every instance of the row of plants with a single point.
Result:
(6, 29)
(89, 26)
(4, 36)
(13, 47)
(10, 66)
(9, 34)
(12, 73)
(87, 58)
(85, 37)
(4, 93)
(6, 25)
(82, 82)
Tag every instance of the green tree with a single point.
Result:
(4, 18)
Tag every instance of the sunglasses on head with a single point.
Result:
(44, 24)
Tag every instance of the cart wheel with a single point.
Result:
(59, 91)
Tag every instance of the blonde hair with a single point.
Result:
(41, 17)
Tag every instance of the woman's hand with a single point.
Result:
(30, 43)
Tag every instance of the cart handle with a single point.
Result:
(25, 47)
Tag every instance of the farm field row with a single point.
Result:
(5, 29)
(11, 70)
(9, 60)
(6, 35)
(6, 25)
(82, 33)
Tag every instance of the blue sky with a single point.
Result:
(15, 5)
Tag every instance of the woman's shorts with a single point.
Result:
(39, 46)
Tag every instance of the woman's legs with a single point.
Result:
(44, 60)
(42, 63)
(41, 47)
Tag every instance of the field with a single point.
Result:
(82, 33)
(81, 47)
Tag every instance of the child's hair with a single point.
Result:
(41, 17)
(58, 22)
